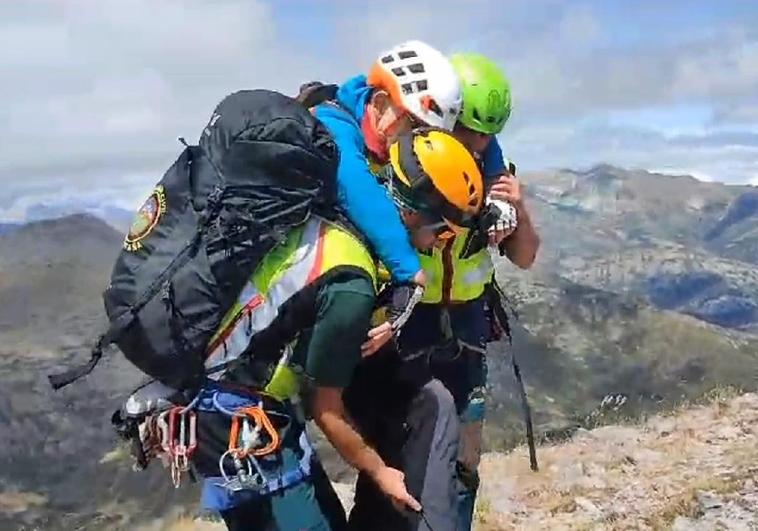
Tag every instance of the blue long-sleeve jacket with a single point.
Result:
(493, 163)
(365, 200)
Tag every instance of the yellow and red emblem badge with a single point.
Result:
(147, 219)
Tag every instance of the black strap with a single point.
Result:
(496, 301)
(527, 412)
(65, 378)
(115, 330)
(501, 247)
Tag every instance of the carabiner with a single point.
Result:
(164, 432)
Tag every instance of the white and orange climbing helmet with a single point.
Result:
(420, 80)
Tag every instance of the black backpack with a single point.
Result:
(263, 165)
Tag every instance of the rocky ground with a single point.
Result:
(690, 470)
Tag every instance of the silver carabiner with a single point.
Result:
(262, 479)
(239, 482)
(164, 433)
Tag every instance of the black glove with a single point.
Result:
(315, 92)
(403, 298)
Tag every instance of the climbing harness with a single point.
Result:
(170, 434)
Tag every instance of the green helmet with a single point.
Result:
(486, 93)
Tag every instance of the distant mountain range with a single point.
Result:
(119, 218)
(646, 286)
(8, 227)
(682, 244)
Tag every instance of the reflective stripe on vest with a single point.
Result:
(307, 254)
(451, 278)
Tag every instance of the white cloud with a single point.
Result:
(93, 194)
(112, 79)
(697, 174)
(740, 113)
(713, 156)
(95, 93)
(580, 25)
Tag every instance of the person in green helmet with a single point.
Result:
(460, 272)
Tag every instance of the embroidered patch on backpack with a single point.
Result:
(147, 219)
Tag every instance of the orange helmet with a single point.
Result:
(433, 173)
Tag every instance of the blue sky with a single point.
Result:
(95, 92)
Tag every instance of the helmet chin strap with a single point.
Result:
(388, 177)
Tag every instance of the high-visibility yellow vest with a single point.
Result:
(457, 271)
(309, 253)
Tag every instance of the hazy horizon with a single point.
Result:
(96, 93)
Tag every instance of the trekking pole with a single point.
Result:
(522, 388)
(527, 412)
(496, 300)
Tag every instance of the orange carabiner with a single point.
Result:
(260, 418)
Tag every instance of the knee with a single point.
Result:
(470, 445)
(435, 396)
(476, 406)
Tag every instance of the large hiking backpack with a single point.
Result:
(262, 166)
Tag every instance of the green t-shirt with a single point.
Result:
(330, 350)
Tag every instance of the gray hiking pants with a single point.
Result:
(414, 426)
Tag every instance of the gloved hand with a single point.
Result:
(507, 218)
(403, 298)
(499, 220)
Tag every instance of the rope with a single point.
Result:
(426, 521)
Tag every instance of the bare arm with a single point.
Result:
(521, 247)
(344, 308)
(330, 415)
